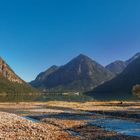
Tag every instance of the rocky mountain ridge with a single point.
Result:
(118, 66)
(80, 74)
(8, 73)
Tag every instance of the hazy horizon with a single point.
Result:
(37, 34)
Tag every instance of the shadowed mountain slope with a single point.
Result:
(121, 86)
(80, 74)
(10, 83)
(118, 66)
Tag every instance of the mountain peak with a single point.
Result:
(137, 55)
(121, 86)
(82, 55)
(79, 74)
(116, 67)
(44, 74)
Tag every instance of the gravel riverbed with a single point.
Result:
(13, 127)
(63, 120)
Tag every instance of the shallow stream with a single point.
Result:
(121, 126)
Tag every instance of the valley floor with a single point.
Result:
(66, 121)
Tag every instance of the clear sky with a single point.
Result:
(35, 34)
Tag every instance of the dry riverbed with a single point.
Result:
(63, 120)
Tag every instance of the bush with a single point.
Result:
(136, 91)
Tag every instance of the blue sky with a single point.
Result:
(35, 34)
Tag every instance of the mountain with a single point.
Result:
(122, 85)
(116, 67)
(42, 76)
(8, 73)
(10, 82)
(137, 55)
(80, 74)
